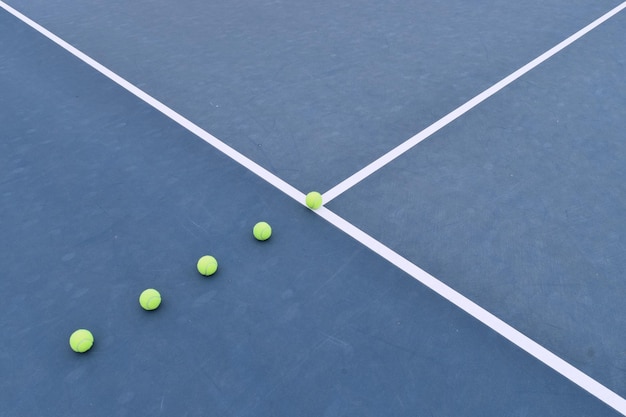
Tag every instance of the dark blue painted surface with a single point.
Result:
(520, 204)
(314, 91)
(101, 197)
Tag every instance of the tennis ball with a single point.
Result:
(207, 265)
(262, 231)
(314, 200)
(81, 340)
(150, 299)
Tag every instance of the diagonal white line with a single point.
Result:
(516, 337)
(510, 333)
(459, 111)
(184, 122)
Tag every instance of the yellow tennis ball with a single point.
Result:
(207, 265)
(150, 299)
(314, 200)
(81, 340)
(262, 231)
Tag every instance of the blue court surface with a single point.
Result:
(469, 259)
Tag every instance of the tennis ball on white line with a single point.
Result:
(314, 200)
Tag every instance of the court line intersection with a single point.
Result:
(530, 346)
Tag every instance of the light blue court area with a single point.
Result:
(313, 91)
(518, 205)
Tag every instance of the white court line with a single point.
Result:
(516, 337)
(519, 339)
(450, 117)
(184, 122)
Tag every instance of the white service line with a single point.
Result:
(522, 341)
(450, 117)
(516, 337)
(184, 122)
